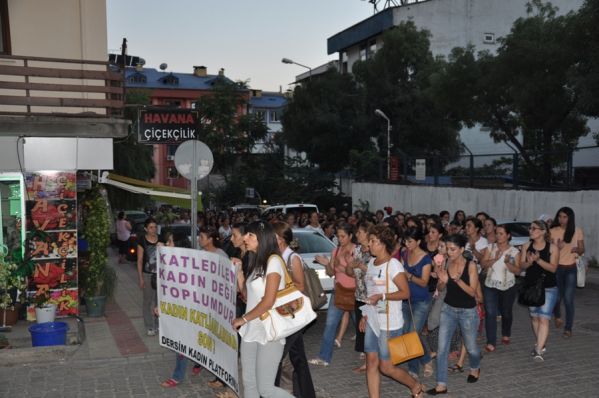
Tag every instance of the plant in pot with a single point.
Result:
(11, 284)
(100, 278)
(45, 309)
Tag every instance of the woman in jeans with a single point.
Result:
(259, 357)
(459, 309)
(539, 259)
(502, 263)
(387, 286)
(303, 386)
(418, 271)
(340, 259)
(569, 239)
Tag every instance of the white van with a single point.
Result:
(297, 208)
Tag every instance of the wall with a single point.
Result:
(457, 23)
(500, 204)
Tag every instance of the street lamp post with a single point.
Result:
(289, 61)
(380, 113)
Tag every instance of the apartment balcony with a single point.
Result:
(54, 97)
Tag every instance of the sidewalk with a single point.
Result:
(117, 359)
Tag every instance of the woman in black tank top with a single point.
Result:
(539, 259)
(459, 310)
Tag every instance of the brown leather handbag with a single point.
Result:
(345, 297)
(407, 346)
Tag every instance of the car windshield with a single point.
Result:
(313, 242)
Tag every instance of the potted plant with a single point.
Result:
(45, 310)
(100, 278)
(11, 285)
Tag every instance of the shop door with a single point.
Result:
(11, 214)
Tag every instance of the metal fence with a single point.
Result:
(560, 170)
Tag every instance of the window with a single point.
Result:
(371, 48)
(363, 52)
(274, 116)
(4, 28)
(259, 114)
(171, 150)
(138, 77)
(170, 80)
(489, 38)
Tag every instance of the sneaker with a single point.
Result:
(538, 357)
(151, 332)
(318, 362)
(534, 351)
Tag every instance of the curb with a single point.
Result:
(21, 356)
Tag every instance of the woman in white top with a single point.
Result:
(303, 386)
(386, 285)
(502, 263)
(123, 232)
(259, 357)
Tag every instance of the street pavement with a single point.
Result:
(117, 359)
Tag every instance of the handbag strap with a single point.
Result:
(288, 280)
(387, 304)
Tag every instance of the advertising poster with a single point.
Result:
(196, 301)
(51, 212)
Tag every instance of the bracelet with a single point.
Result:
(243, 317)
(384, 297)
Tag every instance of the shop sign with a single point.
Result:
(167, 126)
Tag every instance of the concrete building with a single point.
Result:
(269, 106)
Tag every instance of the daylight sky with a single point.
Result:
(247, 38)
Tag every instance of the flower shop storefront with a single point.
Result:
(39, 221)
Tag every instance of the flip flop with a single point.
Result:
(489, 348)
(456, 368)
(169, 383)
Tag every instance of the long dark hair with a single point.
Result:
(267, 246)
(570, 227)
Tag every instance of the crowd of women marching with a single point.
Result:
(448, 279)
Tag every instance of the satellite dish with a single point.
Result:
(163, 66)
(142, 61)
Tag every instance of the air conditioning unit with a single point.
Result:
(170, 157)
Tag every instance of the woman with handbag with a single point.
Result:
(357, 269)
(570, 242)
(460, 280)
(259, 357)
(502, 263)
(539, 259)
(418, 271)
(303, 386)
(387, 286)
(343, 298)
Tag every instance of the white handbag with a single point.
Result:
(581, 272)
(291, 312)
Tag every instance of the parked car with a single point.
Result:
(297, 208)
(311, 244)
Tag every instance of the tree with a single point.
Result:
(523, 93)
(399, 80)
(227, 130)
(132, 159)
(324, 118)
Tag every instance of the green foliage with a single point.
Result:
(100, 279)
(10, 281)
(226, 130)
(130, 158)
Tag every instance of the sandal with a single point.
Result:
(456, 368)
(196, 369)
(505, 340)
(434, 391)
(216, 383)
(567, 334)
(428, 369)
(169, 383)
(418, 393)
(226, 394)
(559, 323)
(360, 369)
(489, 348)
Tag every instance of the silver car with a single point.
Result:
(311, 244)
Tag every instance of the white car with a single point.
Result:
(519, 230)
(311, 244)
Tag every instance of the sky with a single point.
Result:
(247, 38)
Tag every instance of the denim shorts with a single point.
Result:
(546, 310)
(379, 344)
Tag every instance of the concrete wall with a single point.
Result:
(457, 23)
(500, 204)
(70, 29)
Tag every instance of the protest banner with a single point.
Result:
(196, 301)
